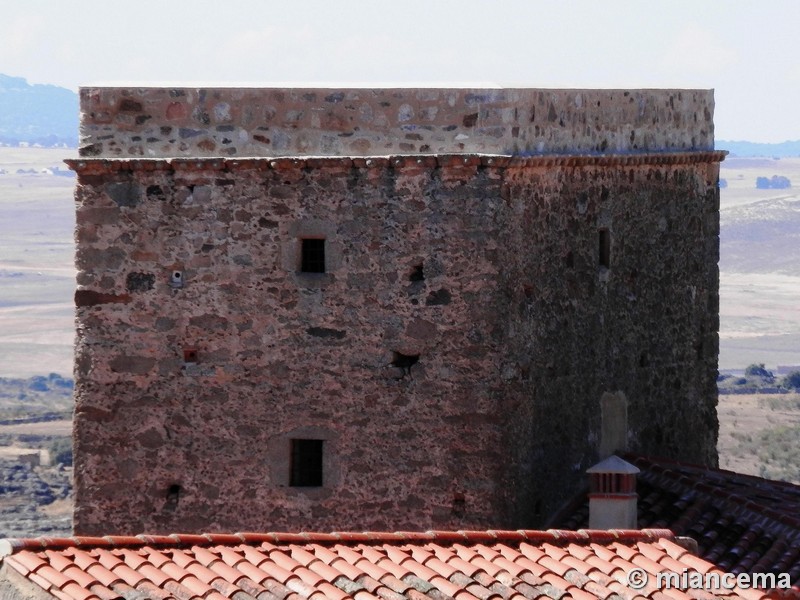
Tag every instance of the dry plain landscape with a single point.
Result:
(37, 273)
(759, 265)
(759, 323)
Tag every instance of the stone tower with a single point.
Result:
(385, 308)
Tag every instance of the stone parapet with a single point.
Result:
(155, 122)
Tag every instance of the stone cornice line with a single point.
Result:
(108, 165)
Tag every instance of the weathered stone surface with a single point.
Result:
(137, 365)
(326, 332)
(123, 193)
(359, 122)
(139, 282)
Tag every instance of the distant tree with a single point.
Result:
(38, 384)
(758, 370)
(792, 380)
(778, 182)
(61, 451)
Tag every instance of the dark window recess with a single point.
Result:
(306, 467)
(604, 237)
(417, 274)
(313, 256)
(404, 361)
(459, 505)
(173, 495)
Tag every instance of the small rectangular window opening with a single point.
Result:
(313, 255)
(605, 247)
(306, 467)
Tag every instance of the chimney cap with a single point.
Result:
(614, 464)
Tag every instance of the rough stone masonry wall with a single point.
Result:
(646, 326)
(282, 354)
(518, 330)
(239, 122)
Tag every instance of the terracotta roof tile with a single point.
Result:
(245, 554)
(598, 590)
(81, 577)
(493, 570)
(602, 565)
(103, 575)
(579, 594)
(258, 576)
(228, 573)
(421, 571)
(27, 562)
(623, 591)
(461, 565)
(556, 581)
(128, 575)
(395, 584)
(76, 591)
(696, 563)
(347, 570)
(469, 568)
(297, 585)
(579, 552)
(444, 569)
(675, 594)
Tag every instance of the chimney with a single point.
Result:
(612, 494)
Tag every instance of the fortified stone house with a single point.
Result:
(386, 308)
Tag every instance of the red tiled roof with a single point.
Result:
(743, 524)
(493, 565)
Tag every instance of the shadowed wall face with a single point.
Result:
(383, 343)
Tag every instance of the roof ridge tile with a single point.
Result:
(506, 536)
(180, 540)
(157, 540)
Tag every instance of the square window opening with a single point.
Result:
(604, 237)
(312, 255)
(306, 465)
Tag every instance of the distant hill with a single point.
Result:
(782, 150)
(37, 114)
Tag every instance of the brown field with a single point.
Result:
(45, 428)
(745, 423)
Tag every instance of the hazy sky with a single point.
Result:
(749, 51)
